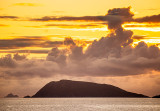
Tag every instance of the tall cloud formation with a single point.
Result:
(110, 56)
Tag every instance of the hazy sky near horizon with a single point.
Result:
(115, 42)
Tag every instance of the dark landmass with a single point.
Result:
(27, 96)
(11, 96)
(158, 96)
(68, 88)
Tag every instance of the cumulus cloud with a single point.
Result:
(121, 12)
(69, 41)
(109, 56)
(19, 57)
(7, 61)
(117, 16)
(57, 56)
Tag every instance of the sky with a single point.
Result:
(114, 42)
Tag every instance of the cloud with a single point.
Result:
(111, 44)
(69, 26)
(109, 56)
(28, 41)
(58, 56)
(7, 61)
(111, 60)
(19, 57)
(124, 13)
(72, 26)
(26, 51)
(27, 4)
(140, 37)
(9, 17)
(142, 25)
(36, 41)
(153, 18)
(69, 18)
(112, 14)
(69, 41)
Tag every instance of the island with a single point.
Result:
(157, 96)
(27, 96)
(69, 88)
(11, 96)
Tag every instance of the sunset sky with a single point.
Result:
(88, 40)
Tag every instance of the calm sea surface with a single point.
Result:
(79, 104)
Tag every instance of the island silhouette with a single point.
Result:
(69, 88)
(157, 96)
(11, 96)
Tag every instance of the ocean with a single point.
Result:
(79, 104)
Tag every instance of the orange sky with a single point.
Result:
(57, 30)
(29, 27)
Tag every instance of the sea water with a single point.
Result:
(79, 104)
